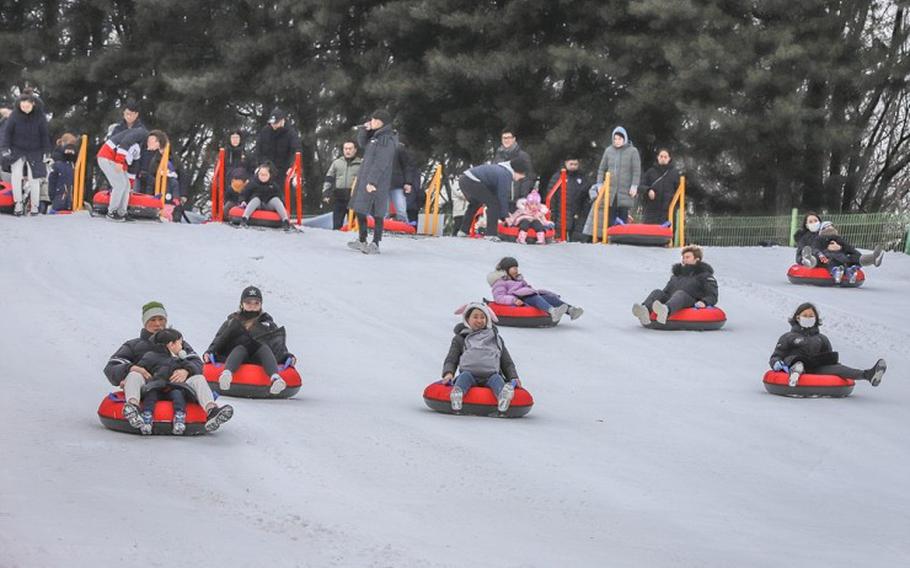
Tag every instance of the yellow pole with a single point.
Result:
(352, 222)
(436, 198)
(161, 174)
(79, 178)
(431, 204)
(682, 211)
(595, 234)
(606, 236)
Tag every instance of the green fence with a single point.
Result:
(864, 230)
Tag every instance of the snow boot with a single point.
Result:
(461, 233)
(796, 369)
(455, 399)
(505, 397)
(285, 225)
(541, 237)
(18, 209)
(806, 258)
(131, 415)
(873, 258)
(875, 373)
(574, 312)
(662, 311)
(493, 238)
(218, 416)
(357, 246)
(642, 313)
(522, 237)
(244, 222)
(179, 423)
(224, 380)
(146, 428)
(851, 274)
(838, 274)
(372, 248)
(278, 384)
(557, 312)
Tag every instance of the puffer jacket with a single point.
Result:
(696, 280)
(804, 238)
(457, 350)
(264, 331)
(624, 165)
(803, 344)
(522, 212)
(161, 364)
(506, 289)
(129, 354)
(846, 256)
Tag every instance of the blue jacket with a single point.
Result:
(498, 179)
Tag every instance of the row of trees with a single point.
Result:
(767, 104)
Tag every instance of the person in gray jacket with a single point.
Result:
(338, 182)
(480, 354)
(623, 162)
(371, 194)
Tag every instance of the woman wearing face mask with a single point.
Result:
(62, 174)
(805, 237)
(805, 350)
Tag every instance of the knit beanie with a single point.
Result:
(827, 229)
(153, 309)
(383, 115)
(506, 263)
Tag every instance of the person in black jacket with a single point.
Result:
(123, 370)
(262, 193)
(235, 154)
(162, 362)
(62, 174)
(692, 285)
(657, 188)
(374, 180)
(405, 182)
(24, 141)
(250, 335)
(577, 201)
(836, 254)
(277, 143)
(805, 350)
(510, 150)
(804, 237)
(233, 192)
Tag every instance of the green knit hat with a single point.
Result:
(151, 310)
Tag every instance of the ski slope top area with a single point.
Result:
(644, 448)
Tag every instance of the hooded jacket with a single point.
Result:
(803, 344)
(523, 212)
(696, 280)
(264, 331)
(132, 351)
(484, 341)
(263, 190)
(380, 147)
(624, 165)
(162, 364)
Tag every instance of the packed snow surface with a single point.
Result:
(644, 448)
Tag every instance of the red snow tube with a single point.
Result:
(259, 218)
(520, 316)
(819, 276)
(478, 401)
(510, 234)
(640, 234)
(250, 381)
(140, 205)
(6, 198)
(777, 382)
(390, 226)
(111, 415)
(692, 319)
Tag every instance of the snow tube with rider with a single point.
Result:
(111, 415)
(140, 205)
(250, 381)
(640, 234)
(692, 319)
(809, 385)
(520, 316)
(478, 401)
(259, 218)
(510, 234)
(6, 198)
(819, 276)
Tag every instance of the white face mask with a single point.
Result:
(806, 322)
(813, 227)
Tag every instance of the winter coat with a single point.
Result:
(131, 352)
(339, 180)
(457, 352)
(506, 289)
(522, 212)
(148, 173)
(577, 199)
(277, 146)
(161, 364)
(846, 256)
(264, 331)
(696, 280)
(60, 181)
(803, 344)
(126, 147)
(264, 191)
(804, 238)
(236, 157)
(624, 165)
(497, 178)
(521, 188)
(25, 136)
(663, 180)
(118, 127)
(379, 147)
(404, 171)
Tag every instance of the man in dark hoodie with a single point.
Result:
(371, 195)
(692, 285)
(658, 186)
(508, 150)
(490, 185)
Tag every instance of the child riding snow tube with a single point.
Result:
(140, 205)
(110, 412)
(520, 316)
(251, 381)
(819, 276)
(479, 401)
(640, 234)
(518, 304)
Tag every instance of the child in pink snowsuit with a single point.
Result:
(530, 213)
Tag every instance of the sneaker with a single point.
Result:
(522, 238)
(851, 274)
(575, 312)
(542, 238)
(838, 274)
(618, 221)
(461, 233)
(278, 384)
(806, 258)
(796, 370)
(131, 415)
(455, 398)
(18, 210)
(505, 397)
(224, 380)
(662, 311)
(116, 217)
(179, 423)
(877, 255)
(876, 372)
(642, 313)
(217, 416)
(371, 248)
(493, 238)
(146, 428)
(285, 225)
(557, 312)
(357, 245)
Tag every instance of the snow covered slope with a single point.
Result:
(644, 448)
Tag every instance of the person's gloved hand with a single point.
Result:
(779, 366)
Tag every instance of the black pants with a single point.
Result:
(675, 301)
(363, 228)
(262, 356)
(526, 224)
(175, 395)
(840, 371)
(339, 212)
(477, 195)
(654, 211)
(618, 212)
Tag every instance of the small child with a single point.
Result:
(263, 193)
(161, 362)
(479, 353)
(511, 289)
(839, 257)
(530, 214)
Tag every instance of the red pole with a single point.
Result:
(563, 181)
(298, 169)
(221, 185)
(471, 232)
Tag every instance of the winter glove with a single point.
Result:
(779, 366)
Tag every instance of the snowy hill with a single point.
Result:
(644, 448)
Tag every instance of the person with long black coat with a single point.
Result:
(371, 193)
(691, 285)
(657, 188)
(577, 200)
(235, 153)
(24, 140)
(277, 143)
(804, 349)
(805, 236)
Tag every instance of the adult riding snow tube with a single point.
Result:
(259, 218)
(777, 382)
(111, 415)
(6, 198)
(818, 276)
(640, 234)
(478, 401)
(390, 226)
(510, 234)
(250, 381)
(692, 319)
(140, 205)
(520, 316)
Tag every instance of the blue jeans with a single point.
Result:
(466, 380)
(400, 202)
(543, 301)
